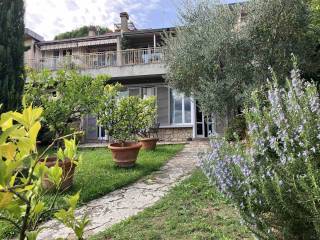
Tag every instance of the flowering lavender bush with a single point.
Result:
(274, 176)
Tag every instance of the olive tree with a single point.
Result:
(221, 52)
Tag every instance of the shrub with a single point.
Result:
(236, 127)
(65, 96)
(274, 177)
(22, 173)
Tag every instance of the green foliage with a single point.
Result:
(68, 218)
(123, 118)
(11, 54)
(236, 129)
(22, 171)
(69, 152)
(274, 177)
(315, 10)
(81, 32)
(65, 96)
(313, 70)
(232, 57)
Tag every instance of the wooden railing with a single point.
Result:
(100, 60)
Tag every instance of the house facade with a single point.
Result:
(134, 58)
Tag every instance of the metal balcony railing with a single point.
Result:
(100, 59)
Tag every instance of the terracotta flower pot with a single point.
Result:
(125, 156)
(68, 169)
(149, 143)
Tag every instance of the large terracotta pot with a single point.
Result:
(149, 143)
(125, 155)
(68, 169)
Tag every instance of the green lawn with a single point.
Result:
(97, 175)
(192, 210)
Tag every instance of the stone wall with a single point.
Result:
(175, 134)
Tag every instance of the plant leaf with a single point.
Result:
(5, 199)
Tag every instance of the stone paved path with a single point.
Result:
(126, 202)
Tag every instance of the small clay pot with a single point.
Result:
(149, 143)
(68, 169)
(125, 155)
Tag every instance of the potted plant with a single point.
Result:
(148, 141)
(123, 118)
(67, 160)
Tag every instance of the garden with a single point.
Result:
(40, 179)
(256, 66)
(96, 176)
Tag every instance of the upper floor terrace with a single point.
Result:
(125, 52)
(122, 63)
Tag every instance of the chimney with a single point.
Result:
(92, 31)
(124, 21)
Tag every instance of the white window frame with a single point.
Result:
(172, 123)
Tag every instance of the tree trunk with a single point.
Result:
(24, 227)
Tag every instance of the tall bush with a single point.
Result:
(11, 53)
(66, 96)
(274, 177)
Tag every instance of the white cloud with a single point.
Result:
(50, 17)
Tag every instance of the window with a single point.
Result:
(148, 92)
(187, 110)
(56, 53)
(180, 108)
(134, 92)
(123, 93)
(67, 52)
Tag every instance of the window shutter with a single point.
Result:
(163, 106)
(134, 92)
(91, 128)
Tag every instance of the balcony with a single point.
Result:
(123, 63)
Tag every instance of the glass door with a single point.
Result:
(208, 124)
(204, 124)
(199, 123)
(102, 136)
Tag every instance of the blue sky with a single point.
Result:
(50, 17)
(166, 14)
